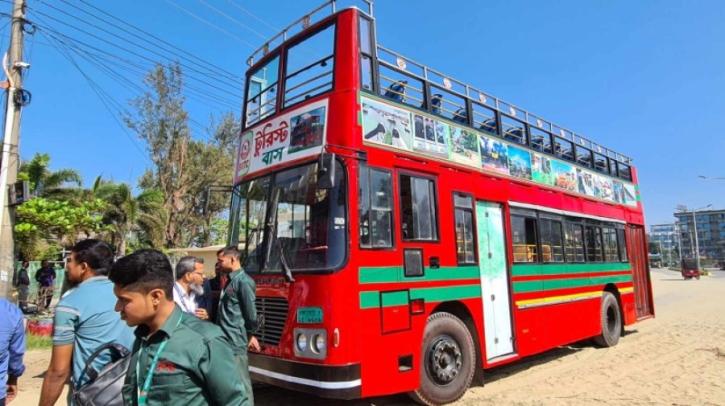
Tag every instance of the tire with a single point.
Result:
(448, 361)
(611, 321)
(697, 277)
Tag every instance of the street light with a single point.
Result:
(694, 223)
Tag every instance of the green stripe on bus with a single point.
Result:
(390, 274)
(370, 300)
(551, 284)
(563, 269)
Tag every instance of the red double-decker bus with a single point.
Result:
(407, 231)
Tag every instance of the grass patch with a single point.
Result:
(33, 342)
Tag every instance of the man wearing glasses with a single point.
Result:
(190, 284)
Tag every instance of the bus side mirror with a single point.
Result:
(326, 171)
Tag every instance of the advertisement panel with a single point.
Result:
(297, 134)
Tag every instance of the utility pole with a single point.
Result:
(12, 65)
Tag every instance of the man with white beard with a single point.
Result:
(189, 284)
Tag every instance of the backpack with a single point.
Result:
(104, 387)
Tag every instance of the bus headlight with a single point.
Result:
(318, 343)
(310, 342)
(301, 342)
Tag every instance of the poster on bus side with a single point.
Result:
(430, 136)
(564, 176)
(541, 169)
(464, 147)
(519, 163)
(389, 125)
(386, 124)
(297, 134)
(494, 155)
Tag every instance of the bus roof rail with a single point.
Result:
(305, 21)
(476, 96)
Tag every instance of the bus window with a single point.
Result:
(624, 172)
(253, 215)
(262, 92)
(376, 208)
(622, 243)
(418, 208)
(611, 253)
(513, 130)
(310, 67)
(366, 54)
(523, 233)
(594, 244)
(574, 243)
(551, 241)
(465, 240)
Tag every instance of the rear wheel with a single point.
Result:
(447, 362)
(611, 319)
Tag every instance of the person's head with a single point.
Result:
(143, 281)
(87, 259)
(44, 264)
(229, 259)
(217, 268)
(190, 272)
(26, 264)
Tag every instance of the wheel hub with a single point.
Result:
(445, 360)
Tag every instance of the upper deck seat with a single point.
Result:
(461, 116)
(435, 103)
(600, 165)
(537, 142)
(489, 126)
(396, 91)
(515, 134)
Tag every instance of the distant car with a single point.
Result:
(690, 269)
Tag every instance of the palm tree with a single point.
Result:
(143, 214)
(47, 183)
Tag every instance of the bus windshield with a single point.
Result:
(289, 222)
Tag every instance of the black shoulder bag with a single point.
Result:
(104, 387)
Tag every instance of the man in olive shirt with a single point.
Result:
(237, 313)
(177, 358)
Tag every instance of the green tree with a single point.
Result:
(47, 183)
(125, 213)
(43, 219)
(183, 167)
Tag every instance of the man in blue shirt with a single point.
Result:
(45, 276)
(12, 349)
(84, 320)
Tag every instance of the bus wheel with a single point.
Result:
(611, 320)
(448, 361)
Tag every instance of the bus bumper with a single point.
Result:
(328, 381)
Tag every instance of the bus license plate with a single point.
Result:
(309, 315)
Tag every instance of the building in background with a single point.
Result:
(710, 233)
(666, 238)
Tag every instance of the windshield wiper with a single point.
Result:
(272, 232)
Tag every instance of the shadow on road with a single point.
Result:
(274, 396)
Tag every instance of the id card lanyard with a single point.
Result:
(142, 394)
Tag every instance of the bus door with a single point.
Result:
(640, 276)
(493, 265)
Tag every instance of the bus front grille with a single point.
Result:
(271, 318)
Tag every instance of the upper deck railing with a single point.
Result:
(302, 24)
(567, 143)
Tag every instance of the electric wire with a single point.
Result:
(210, 24)
(193, 69)
(146, 34)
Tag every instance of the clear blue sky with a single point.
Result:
(645, 78)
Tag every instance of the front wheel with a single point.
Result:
(611, 320)
(447, 362)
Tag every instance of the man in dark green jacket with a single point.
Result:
(237, 315)
(177, 358)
